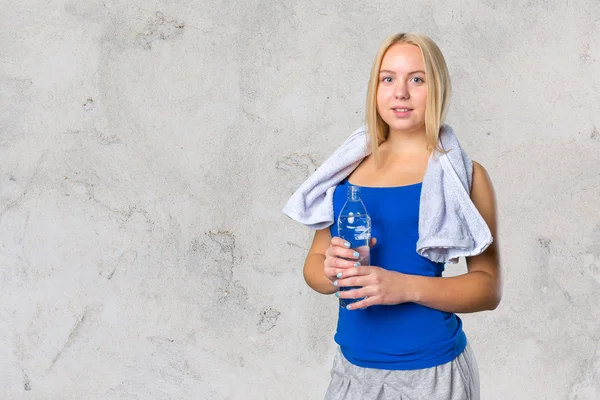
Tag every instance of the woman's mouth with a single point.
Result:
(402, 112)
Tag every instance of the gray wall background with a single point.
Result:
(146, 149)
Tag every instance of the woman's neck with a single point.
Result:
(405, 142)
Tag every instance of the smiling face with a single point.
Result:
(402, 89)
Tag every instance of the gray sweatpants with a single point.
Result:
(455, 380)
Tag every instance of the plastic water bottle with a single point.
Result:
(354, 226)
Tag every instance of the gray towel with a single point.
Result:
(450, 225)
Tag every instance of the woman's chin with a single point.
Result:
(406, 126)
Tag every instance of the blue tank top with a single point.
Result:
(404, 336)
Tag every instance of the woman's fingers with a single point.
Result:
(348, 282)
(357, 293)
(372, 285)
(362, 296)
(364, 303)
(339, 257)
(337, 251)
(359, 271)
(338, 241)
(334, 267)
(339, 263)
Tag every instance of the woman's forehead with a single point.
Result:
(401, 57)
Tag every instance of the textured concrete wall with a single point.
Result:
(146, 149)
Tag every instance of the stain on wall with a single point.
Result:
(161, 28)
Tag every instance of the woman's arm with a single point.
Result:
(477, 290)
(314, 264)
(481, 287)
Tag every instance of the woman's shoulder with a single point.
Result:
(480, 175)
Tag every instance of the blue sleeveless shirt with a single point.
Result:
(404, 336)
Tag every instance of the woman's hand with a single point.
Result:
(378, 286)
(339, 257)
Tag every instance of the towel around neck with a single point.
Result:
(450, 226)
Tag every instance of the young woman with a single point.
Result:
(402, 339)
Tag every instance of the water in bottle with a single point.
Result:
(354, 226)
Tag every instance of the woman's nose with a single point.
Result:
(401, 91)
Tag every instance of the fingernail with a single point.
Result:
(356, 254)
(335, 283)
(356, 265)
(337, 294)
(348, 307)
(339, 275)
(347, 244)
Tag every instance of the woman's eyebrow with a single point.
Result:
(392, 72)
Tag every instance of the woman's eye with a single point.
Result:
(387, 79)
(418, 79)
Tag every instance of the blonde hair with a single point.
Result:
(438, 91)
